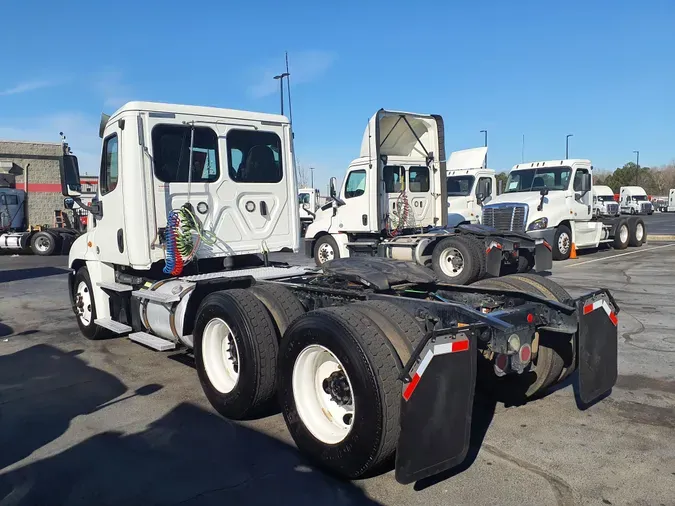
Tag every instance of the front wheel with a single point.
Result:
(325, 250)
(85, 307)
(562, 243)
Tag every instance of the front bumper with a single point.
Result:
(547, 234)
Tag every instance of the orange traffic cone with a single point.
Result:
(573, 251)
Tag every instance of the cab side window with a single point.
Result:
(109, 165)
(578, 179)
(484, 186)
(356, 184)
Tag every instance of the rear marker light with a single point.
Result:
(530, 318)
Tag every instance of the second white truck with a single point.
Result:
(603, 202)
(470, 185)
(634, 200)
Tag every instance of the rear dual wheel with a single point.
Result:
(456, 260)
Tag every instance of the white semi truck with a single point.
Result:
(394, 203)
(634, 200)
(470, 185)
(362, 357)
(603, 202)
(553, 200)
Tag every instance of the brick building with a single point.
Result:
(41, 163)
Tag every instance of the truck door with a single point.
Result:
(394, 199)
(109, 238)
(354, 215)
(419, 190)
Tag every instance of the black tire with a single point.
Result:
(43, 244)
(561, 253)
(544, 370)
(371, 366)
(620, 226)
(481, 255)
(525, 262)
(283, 306)
(257, 347)
(319, 256)
(470, 267)
(637, 233)
(91, 331)
(493, 283)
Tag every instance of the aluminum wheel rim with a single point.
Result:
(220, 355)
(83, 303)
(564, 243)
(623, 233)
(452, 262)
(639, 232)
(326, 420)
(326, 252)
(42, 244)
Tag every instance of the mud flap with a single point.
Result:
(436, 406)
(493, 260)
(543, 257)
(598, 347)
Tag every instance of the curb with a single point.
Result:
(660, 238)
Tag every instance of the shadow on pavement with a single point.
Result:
(35, 272)
(189, 456)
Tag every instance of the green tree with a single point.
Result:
(629, 175)
(502, 176)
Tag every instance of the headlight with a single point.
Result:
(539, 224)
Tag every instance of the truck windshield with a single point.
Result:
(605, 198)
(303, 198)
(460, 186)
(640, 198)
(527, 180)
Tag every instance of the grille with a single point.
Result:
(612, 208)
(507, 218)
(646, 207)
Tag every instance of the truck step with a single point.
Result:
(257, 273)
(115, 287)
(110, 324)
(370, 244)
(156, 296)
(154, 342)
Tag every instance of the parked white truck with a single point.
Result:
(308, 203)
(470, 185)
(603, 202)
(394, 203)
(634, 200)
(553, 200)
(362, 357)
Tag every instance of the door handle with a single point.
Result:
(263, 208)
(364, 219)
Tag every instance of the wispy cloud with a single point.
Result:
(305, 66)
(110, 84)
(27, 86)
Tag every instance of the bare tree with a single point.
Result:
(303, 176)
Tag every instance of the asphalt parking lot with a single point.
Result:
(110, 422)
(660, 223)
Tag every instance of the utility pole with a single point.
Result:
(567, 146)
(522, 151)
(312, 174)
(485, 144)
(280, 77)
(637, 170)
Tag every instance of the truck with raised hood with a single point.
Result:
(470, 185)
(634, 200)
(362, 355)
(603, 202)
(18, 236)
(394, 203)
(552, 200)
(308, 203)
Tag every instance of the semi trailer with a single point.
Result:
(553, 200)
(394, 203)
(371, 360)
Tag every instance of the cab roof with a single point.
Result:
(197, 110)
(554, 163)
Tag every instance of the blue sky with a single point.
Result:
(598, 69)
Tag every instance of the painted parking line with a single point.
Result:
(610, 257)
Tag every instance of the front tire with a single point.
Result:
(325, 250)
(339, 390)
(85, 307)
(562, 243)
(235, 348)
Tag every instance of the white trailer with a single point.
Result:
(603, 202)
(363, 357)
(394, 203)
(553, 200)
(634, 200)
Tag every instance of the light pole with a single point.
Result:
(485, 144)
(567, 145)
(280, 77)
(312, 173)
(637, 170)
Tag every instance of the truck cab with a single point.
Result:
(397, 184)
(634, 200)
(603, 202)
(470, 185)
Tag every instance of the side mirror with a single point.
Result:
(543, 192)
(70, 176)
(480, 197)
(333, 187)
(305, 206)
(586, 183)
(69, 202)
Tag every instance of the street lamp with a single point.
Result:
(567, 146)
(637, 170)
(312, 173)
(485, 144)
(280, 77)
